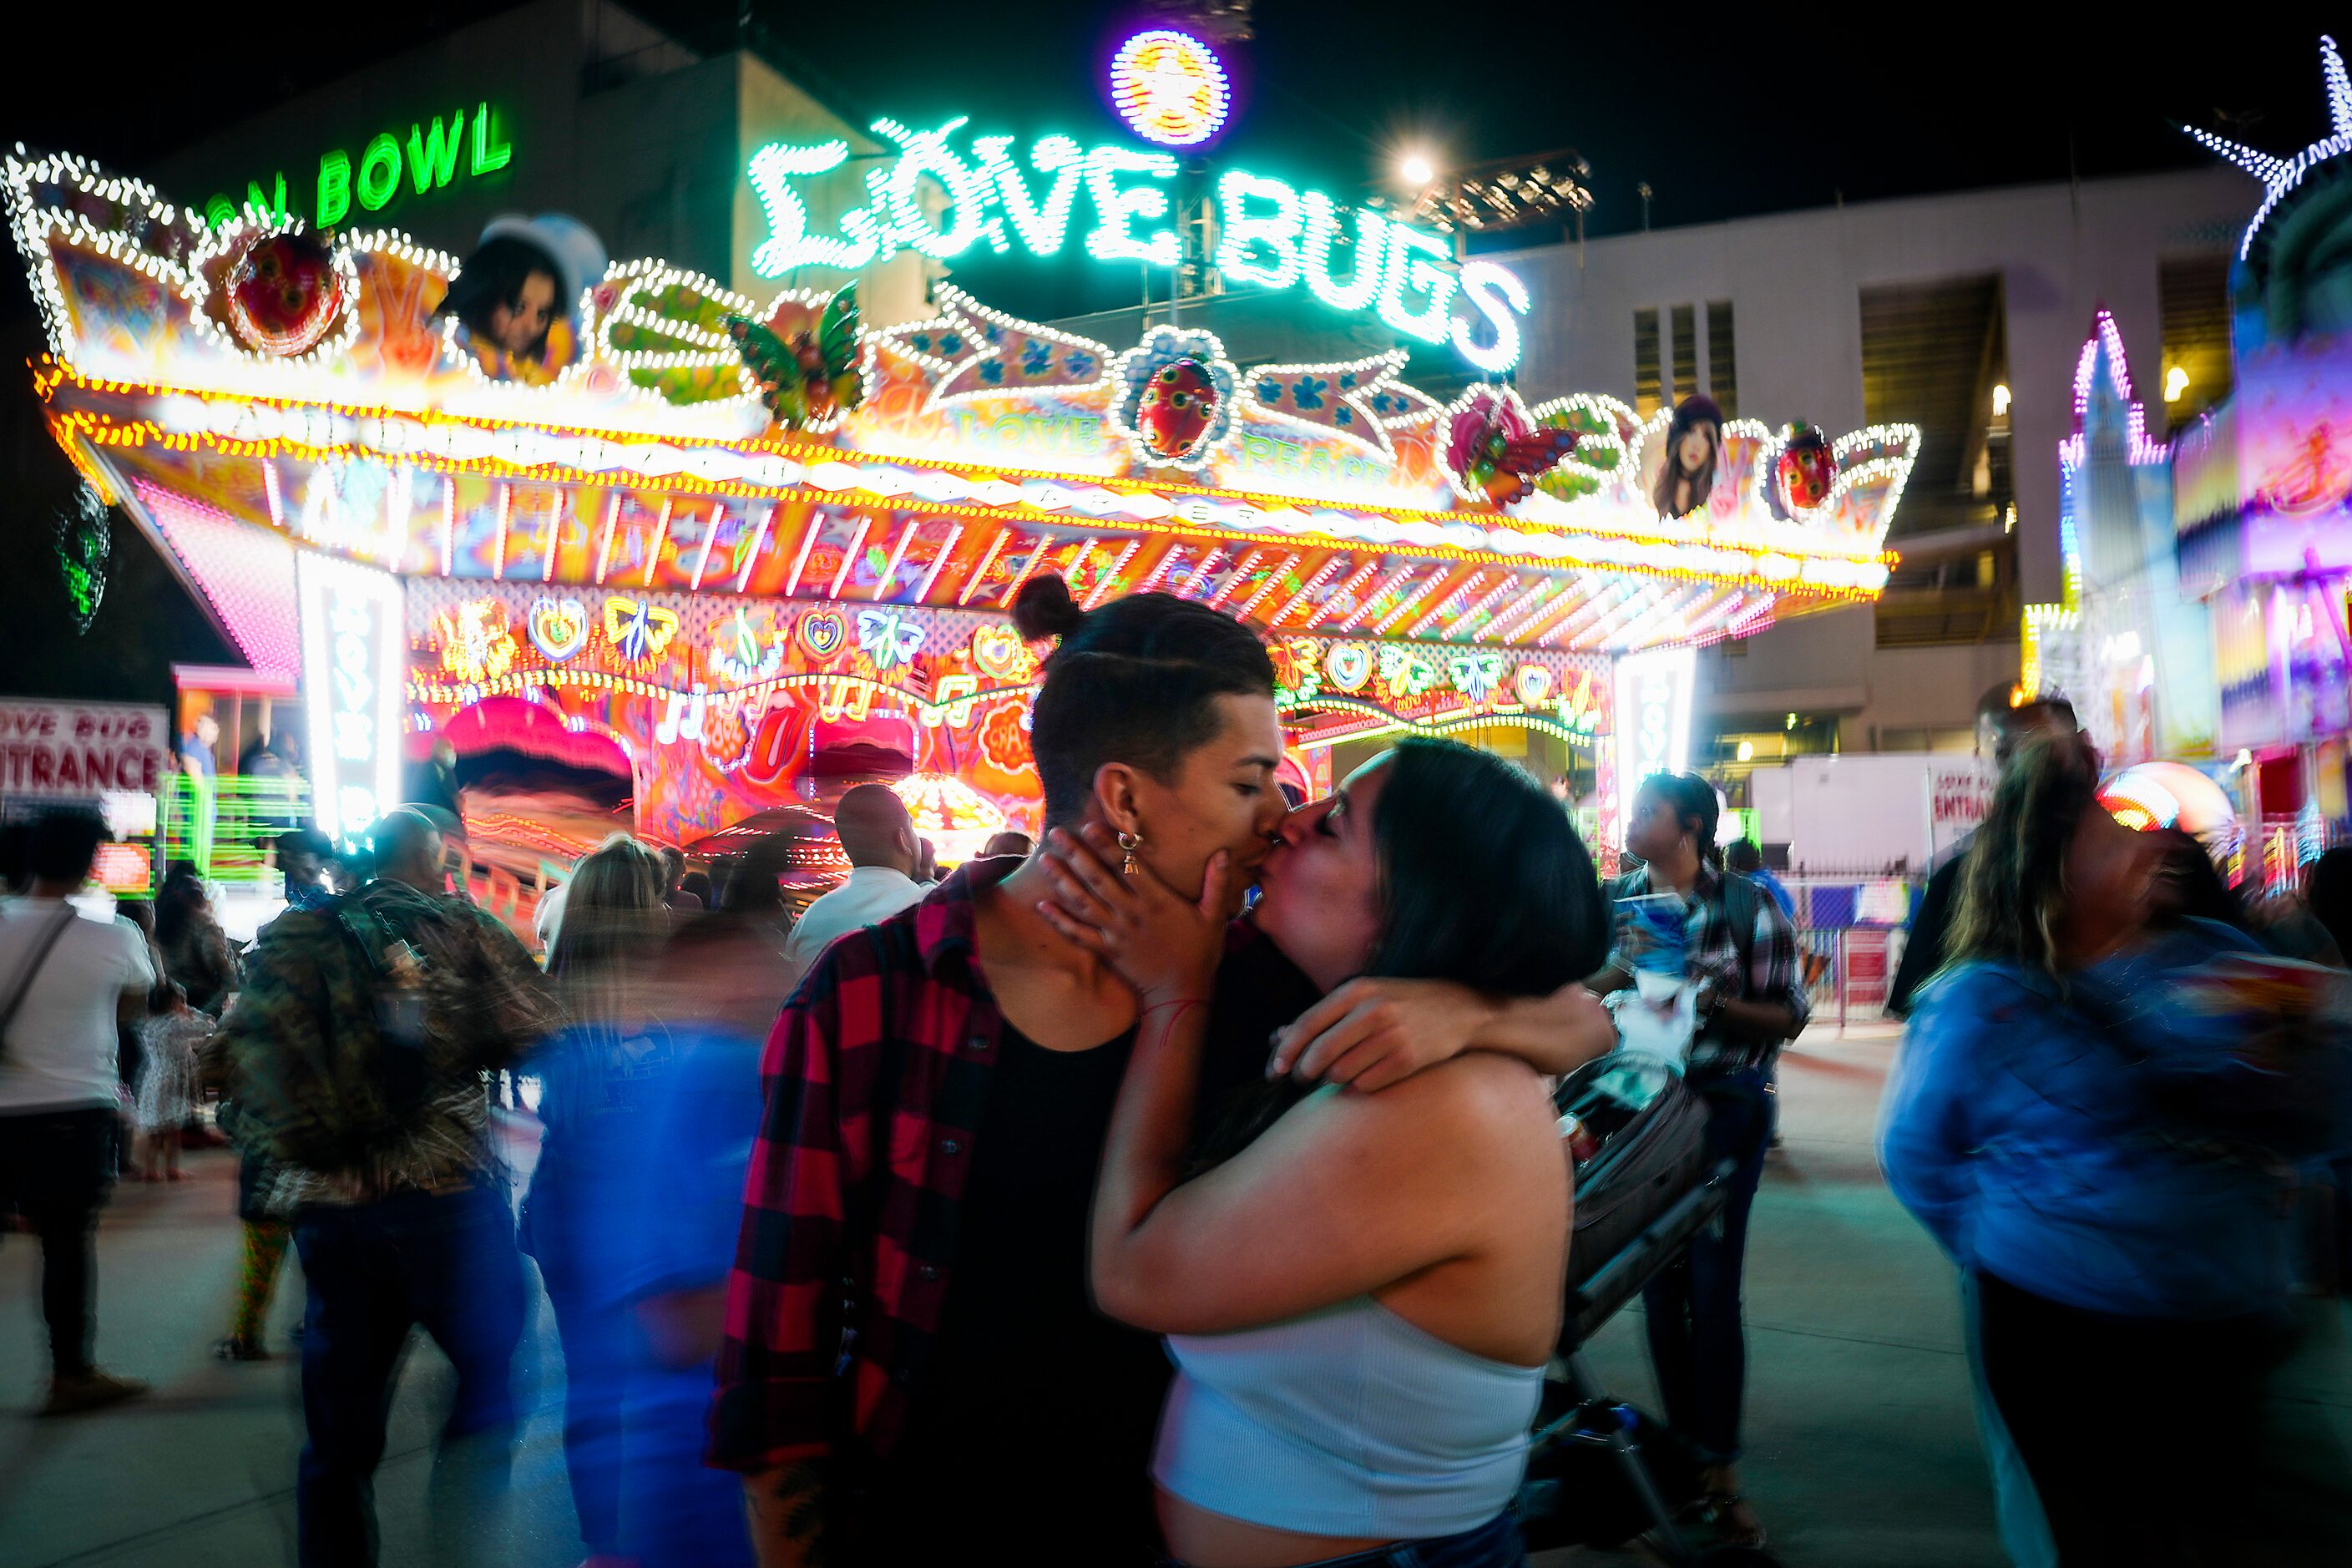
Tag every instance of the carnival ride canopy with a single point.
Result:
(635, 520)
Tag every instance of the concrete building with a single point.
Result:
(1902, 311)
(571, 106)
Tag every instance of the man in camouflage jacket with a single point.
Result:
(357, 1055)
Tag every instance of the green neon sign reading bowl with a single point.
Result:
(1271, 235)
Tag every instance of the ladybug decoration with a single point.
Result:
(1179, 405)
(1498, 451)
(284, 293)
(1807, 468)
(811, 379)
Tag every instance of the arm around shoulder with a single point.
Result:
(1346, 1193)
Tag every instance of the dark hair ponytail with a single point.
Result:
(1696, 807)
(1044, 608)
(1135, 681)
(1482, 881)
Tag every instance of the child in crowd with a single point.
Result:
(171, 1037)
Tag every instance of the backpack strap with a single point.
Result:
(32, 971)
(1741, 899)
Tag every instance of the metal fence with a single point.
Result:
(1851, 930)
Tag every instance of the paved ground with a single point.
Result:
(1862, 1450)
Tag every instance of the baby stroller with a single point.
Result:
(1600, 1473)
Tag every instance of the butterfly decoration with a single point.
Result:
(638, 629)
(887, 638)
(1475, 674)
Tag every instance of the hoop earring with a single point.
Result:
(1130, 843)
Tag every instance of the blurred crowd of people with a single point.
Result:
(1063, 1210)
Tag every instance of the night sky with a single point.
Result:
(1724, 110)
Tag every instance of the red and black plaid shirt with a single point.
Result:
(876, 1077)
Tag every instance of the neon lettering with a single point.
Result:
(1273, 236)
(1262, 251)
(433, 158)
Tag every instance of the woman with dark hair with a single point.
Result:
(596, 1076)
(1361, 1296)
(1740, 951)
(939, 1090)
(195, 951)
(1694, 446)
(2071, 1116)
(518, 288)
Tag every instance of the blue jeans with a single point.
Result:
(1697, 1343)
(1494, 1544)
(446, 1262)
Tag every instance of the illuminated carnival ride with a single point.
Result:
(725, 537)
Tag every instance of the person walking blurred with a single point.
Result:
(196, 954)
(64, 981)
(167, 1089)
(357, 1055)
(599, 1076)
(2086, 1123)
(878, 836)
(2002, 726)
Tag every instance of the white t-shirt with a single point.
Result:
(871, 895)
(60, 1054)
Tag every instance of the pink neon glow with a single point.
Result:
(808, 542)
(661, 537)
(1233, 579)
(1572, 598)
(1364, 607)
(1478, 607)
(897, 553)
(605, 550)
(247, 576)
(1355, 580)
(558, 504)
(1201, 569)
(709, 537)
(1521, 605)
(2106, 339)
(995, 547)
(947, 548)
(1103, 583)
(1322, 576)
(506, 515)
(1267, 588)
(758, 540)
(1160, 569)
(849, 557)
(1447, 606)
(1410, 602)
(1012, 589)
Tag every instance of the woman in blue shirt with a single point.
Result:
(2058, 1119)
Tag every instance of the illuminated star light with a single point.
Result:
(2282, 175)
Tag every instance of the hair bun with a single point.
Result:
(1044, 608)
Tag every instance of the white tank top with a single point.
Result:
(1346, 1422)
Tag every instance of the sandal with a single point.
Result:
(235, 1348)
(1733, 1521)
